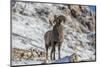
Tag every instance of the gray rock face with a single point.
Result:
(30, 21)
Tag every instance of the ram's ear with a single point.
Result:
(55, 16)
(64, 19)
(55, 19)
(51, 23)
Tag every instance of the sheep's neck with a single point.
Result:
(58, 33)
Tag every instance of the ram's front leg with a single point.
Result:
(53, 49)
(46, 53)
(54, 54)
(59, 48)
(51, 54)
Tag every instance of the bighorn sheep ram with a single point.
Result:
(55, 37)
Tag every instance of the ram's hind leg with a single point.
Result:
(51, 57)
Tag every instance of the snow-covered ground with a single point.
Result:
(30, 21)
